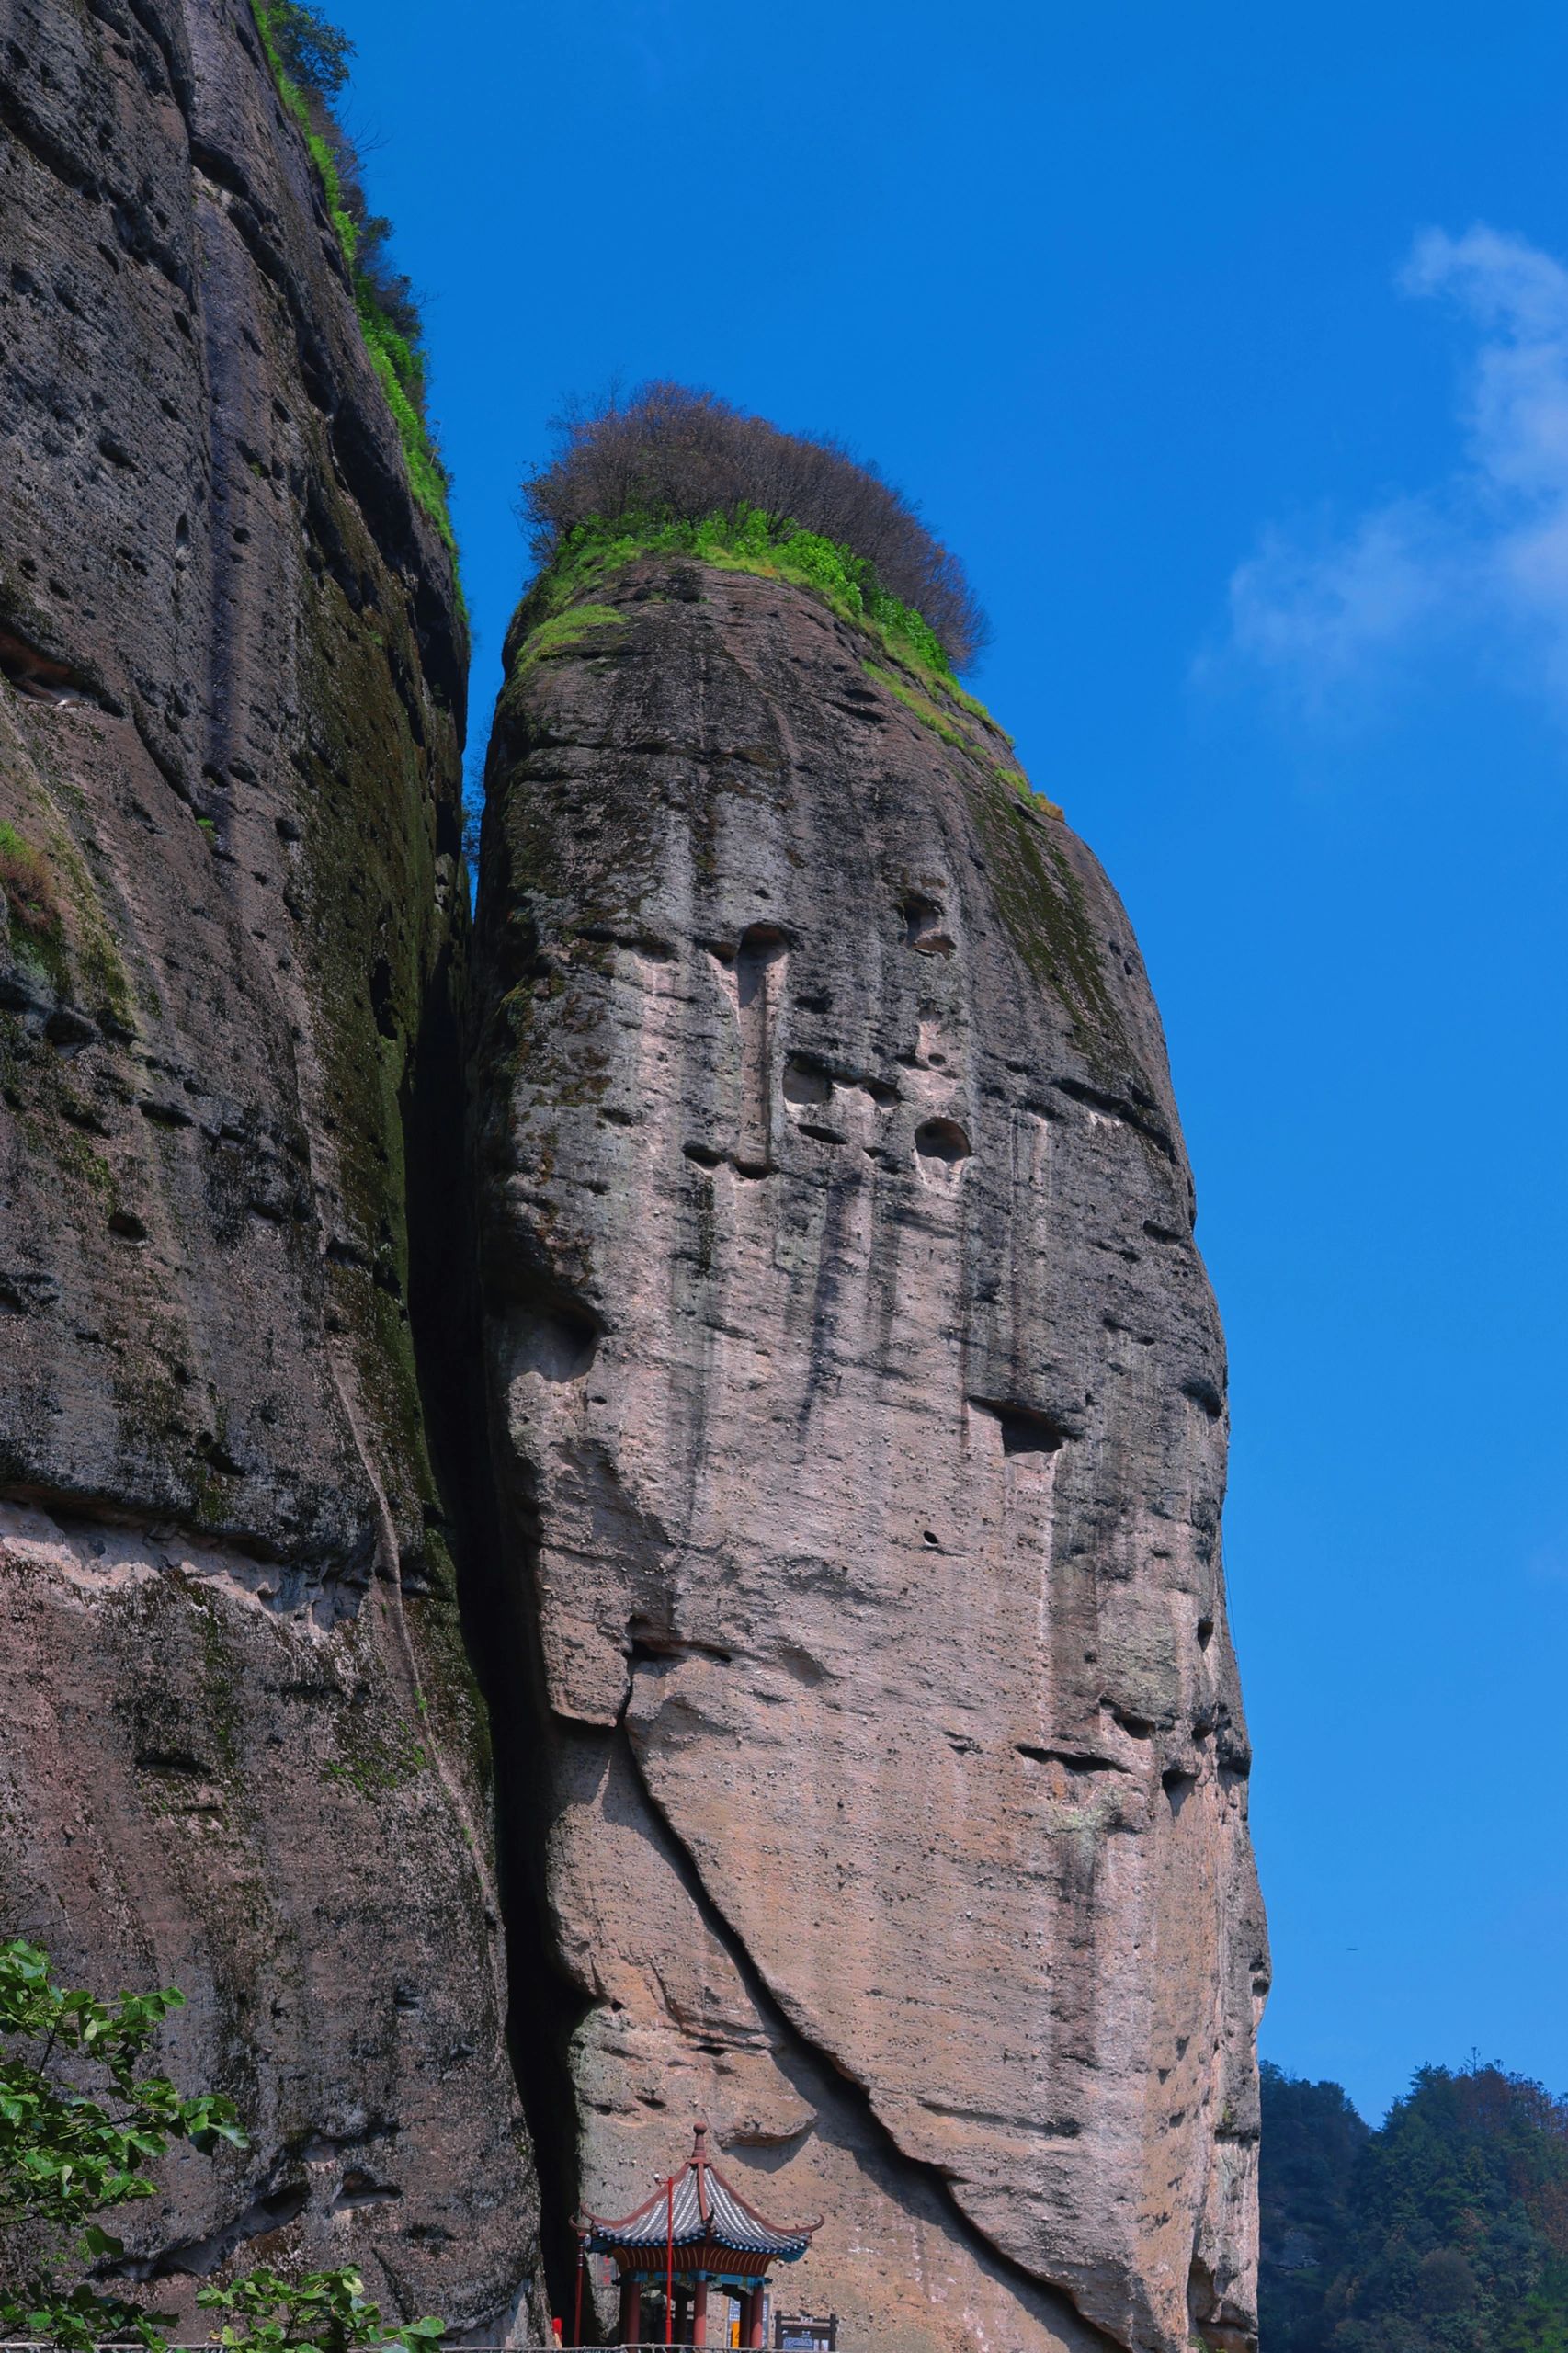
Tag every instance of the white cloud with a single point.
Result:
(1479, 559)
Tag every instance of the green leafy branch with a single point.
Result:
(70, 2151)
(323, 2312)
(66, 2154)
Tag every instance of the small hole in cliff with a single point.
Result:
(129, 1228)
(923, 927)
(360, 2188)
(558, 1345)
(1027, 1429)
(381, 998)
(942, 1141)
(1204, 1394)
(806, 1081)
(1205, 1632)
(931, 1538)
(1178, 1785)
(761, 945)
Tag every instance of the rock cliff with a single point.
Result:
(242, 1752)
(859, 1407)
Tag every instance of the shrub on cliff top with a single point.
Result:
(676, 454)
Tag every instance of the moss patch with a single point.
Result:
(744, 541)
(32, 903)
(386, 1757)
(563, 629)
(1040, 900)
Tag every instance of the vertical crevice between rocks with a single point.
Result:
(494, 1599)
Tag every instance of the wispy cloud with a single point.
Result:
(1478, 559)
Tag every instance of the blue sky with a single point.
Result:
(1229, 348)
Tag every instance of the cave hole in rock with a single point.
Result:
(942, 1145)
(360, 2188)
(197, 2258)
(1026, 1429)
(1205, 1632)
(761, 946)
(647, 1643)
(559, 1343)
(1204, 1395)
(1178, 1781)
(924, 928)
(35, 674)
(1072, 1760)
(807, 1080)
(381, 1005)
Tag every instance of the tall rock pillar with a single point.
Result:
(243, 1753)
(859, 1406)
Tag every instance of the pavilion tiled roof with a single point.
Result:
(705, 2209)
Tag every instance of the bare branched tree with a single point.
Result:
(670, 450)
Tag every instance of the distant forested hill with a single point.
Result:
(1444, 2232)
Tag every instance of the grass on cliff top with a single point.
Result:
(746, 540)
(743, 539)
(297, 36)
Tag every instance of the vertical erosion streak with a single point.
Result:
(761, 960)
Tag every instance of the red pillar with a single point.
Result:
(631, 2309)
(699, 2311)
(751, 2319)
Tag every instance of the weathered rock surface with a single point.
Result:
(859, 1400)
(243, 1751)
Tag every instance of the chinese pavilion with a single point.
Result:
(696, 2231)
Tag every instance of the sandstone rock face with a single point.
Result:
(243, 1750)
(858, 1401)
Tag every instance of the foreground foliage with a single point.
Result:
(323, 2312)
(1444, 2232)
(80, 2122)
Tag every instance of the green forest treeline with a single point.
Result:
(1445, 2231)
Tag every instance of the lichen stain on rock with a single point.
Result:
(865, 1551)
